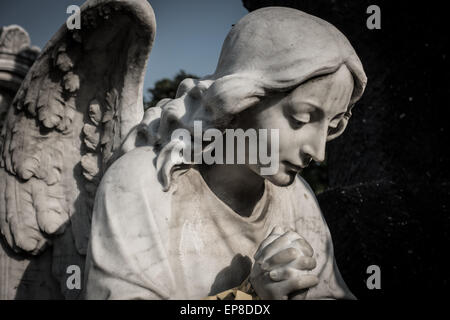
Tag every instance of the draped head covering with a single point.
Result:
(286, 47)
(270, 49)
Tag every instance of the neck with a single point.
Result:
(236, 185)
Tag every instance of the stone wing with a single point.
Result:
(76, 105)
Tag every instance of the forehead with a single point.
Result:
(330, 92)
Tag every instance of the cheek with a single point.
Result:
(289, 142)
(273, 119)
(285, 145)
(289, 139)
(270, 116)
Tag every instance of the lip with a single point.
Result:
(293, 166)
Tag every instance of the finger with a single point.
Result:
(304, 246)
(278, 244)
(274, 234)
(281, 258)
(304, 263)
(286, 287)
(280, 273)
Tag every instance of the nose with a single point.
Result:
(315, 147)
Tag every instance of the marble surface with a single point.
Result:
(79, 149)
(164, 229)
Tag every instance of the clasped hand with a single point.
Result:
(280, 264)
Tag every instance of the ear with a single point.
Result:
(334, 133)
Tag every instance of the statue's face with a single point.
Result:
(306, 118)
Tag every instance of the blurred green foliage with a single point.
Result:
(166, 88)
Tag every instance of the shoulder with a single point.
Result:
(310, 221)
(301, 189)
(132, 169)
(130, 199)
(311, 224)
(132, 179)
(137, 160)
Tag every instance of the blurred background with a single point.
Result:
(189, 34)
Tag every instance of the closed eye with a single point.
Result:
(301, 119)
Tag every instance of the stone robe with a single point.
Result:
(186, 243)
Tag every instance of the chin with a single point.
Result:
(282, 179)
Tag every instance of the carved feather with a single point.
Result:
(74, 108)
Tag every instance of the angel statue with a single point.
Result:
(91, 180)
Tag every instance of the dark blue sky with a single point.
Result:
(189, 33)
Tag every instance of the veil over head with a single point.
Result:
(286, 47)
(274, 49)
